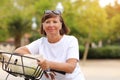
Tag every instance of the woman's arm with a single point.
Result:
(22, 50)
(67, 67)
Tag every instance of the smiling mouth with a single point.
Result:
(51, 29)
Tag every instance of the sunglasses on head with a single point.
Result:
(57, 12)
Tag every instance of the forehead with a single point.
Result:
(53, 18)
(47, 16)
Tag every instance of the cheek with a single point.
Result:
(60, 26)
(43, 26)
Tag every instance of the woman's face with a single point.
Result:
(52, 26)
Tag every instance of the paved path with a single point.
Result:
(92, 69)
(101, 69)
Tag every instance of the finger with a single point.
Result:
(46, 75)
(52, 74)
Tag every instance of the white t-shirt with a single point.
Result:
(60, 51)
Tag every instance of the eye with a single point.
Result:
(47, 21)
(55, 21)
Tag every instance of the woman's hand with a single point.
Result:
(43, 63)
(50, 75)
(45, 66)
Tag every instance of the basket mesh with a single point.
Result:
(22, 66)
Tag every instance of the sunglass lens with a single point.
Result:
(57, 12)
(48, 11)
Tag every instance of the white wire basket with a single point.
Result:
(21, 66)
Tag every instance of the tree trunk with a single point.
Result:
(17, 41)
(86, 52)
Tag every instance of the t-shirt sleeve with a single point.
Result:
(73, 49)
(34, 47)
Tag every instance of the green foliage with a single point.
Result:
(115, 27)
(107, 52)
(35, 36)
(18, 25)
(3, 34)
(86, 19)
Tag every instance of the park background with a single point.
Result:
(97, 28)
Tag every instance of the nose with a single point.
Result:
(51, 24)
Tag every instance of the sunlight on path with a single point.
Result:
(101, 69)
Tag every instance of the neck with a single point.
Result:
(54, 39)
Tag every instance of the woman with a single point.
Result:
(60, 51)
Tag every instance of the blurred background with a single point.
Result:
(96, 24)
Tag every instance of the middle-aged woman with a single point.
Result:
(60, 50)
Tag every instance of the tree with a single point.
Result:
(113, 13)
(16, 18)
(4, 13)
(115, 28)
(89, 22)
(17, 26)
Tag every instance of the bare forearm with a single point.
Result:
(22, 50)
(67, 67)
